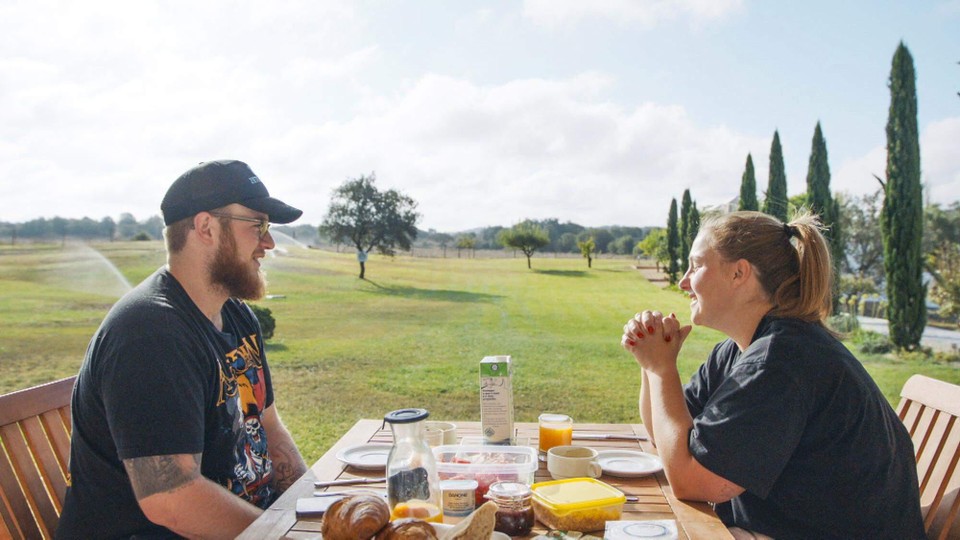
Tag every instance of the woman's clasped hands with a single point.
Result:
(654, 339)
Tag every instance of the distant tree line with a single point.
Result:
(563, 237)
(59, 229)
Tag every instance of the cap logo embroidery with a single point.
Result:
(254, 180)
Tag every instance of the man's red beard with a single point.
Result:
(233, 274)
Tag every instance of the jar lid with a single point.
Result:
(406, 416)
(509, 490)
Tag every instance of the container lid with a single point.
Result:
(508, 490)
(576, 493)
(457, 485)
(485, 459)
(406, 416)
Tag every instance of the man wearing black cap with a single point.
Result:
(175, 429)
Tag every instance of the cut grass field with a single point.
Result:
(409, 336)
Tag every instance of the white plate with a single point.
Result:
(368, 457)
(628, 463)
(496, 535)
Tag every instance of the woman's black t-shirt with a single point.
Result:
(798, 422)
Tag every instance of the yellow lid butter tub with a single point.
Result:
(577, 504)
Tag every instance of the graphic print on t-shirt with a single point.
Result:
(243, 391)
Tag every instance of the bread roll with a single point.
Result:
(477, 526)
(356, 516)
(407, 529)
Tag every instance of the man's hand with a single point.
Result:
(288, 464)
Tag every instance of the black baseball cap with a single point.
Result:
(213, 184)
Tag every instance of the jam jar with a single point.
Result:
(515, 507)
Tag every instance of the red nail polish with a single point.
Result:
(667, 338)
(631, 343)
(650, 329)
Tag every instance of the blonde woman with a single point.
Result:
(781, 427)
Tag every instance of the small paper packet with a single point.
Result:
(662, 529)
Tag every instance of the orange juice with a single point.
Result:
(415, 508)
(555, 430)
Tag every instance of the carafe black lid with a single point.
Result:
(406, 416)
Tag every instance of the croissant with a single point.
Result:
(407, 529)
(357, 516)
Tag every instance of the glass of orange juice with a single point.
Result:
(555, 430)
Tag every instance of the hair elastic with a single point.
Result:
(790, 230)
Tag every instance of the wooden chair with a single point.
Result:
(35, 449)
(929, 408)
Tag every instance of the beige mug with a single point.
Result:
(573, 462)
(438, 433)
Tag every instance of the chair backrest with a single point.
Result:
(929, 408)
(35, 450)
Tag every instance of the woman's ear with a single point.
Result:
(742, 271)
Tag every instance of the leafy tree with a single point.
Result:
(943, 257)
(673, 243)
(601, 237)
(466, 241)
(821, 203)
(748, 188)
(860, 217)
(586, 249)
(443, 239)
(567, 242)
(623, 245)
(776, 201)
(526, 237)
(127, 226)
(654, 245)
(685, 240)
(367, 218)
(901, 219)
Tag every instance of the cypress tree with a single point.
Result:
(685, 240)
(901, 219)
(694, 228)
(748, 188)
(776, 201)
(821, 203)
(673, 243)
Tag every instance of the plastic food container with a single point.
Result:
(486, 464)
(577, 504)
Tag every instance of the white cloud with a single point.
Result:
(647, 13)
(486, 155)
(939, 165)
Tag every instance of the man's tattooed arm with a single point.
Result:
(158, 474)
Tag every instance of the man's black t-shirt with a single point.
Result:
(158, 378)
(797, 421)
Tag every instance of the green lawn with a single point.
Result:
(410, 335)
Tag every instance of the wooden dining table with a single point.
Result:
(654, 497)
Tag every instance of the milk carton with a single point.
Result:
(496, 400)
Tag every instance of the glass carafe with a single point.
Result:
(413, 487)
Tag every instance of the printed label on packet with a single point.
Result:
(496, 400)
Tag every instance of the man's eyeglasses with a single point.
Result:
(262, 224)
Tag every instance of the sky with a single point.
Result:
(485, 113)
